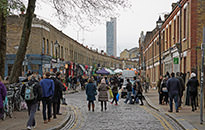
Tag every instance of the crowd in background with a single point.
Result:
(171, 87)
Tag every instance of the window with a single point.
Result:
(47, 50)
(51, 48)
(62, 52)
(185, 21)
(170, 35)
(43, 46)
(174, 37)
(166, 39)
(178, 27)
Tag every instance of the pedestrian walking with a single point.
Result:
(173, 86)
(103, 96)
(32, 93)
(91, 92)
(114, 87)
(129, 92)
(47, 85)
(57, 93)
(139, 91)
(193, 87)
(159, 89)
(2, 97)
(182, 88)
(164, 90)
(60, 92)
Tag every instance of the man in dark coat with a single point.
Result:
(182, 88)
(60, 93)
(193, 86)
(57, 94)
(173, 86)
(129, 91)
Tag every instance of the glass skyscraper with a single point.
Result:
(111, 38)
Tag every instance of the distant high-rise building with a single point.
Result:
(111, 37)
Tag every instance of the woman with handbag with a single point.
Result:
(91, 92)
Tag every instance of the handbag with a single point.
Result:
(117, 97)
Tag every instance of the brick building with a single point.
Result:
(49, 48)
(181, 36)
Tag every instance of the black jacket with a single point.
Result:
(193, 85)
(37, 91)
(129, 87)
(58, 88)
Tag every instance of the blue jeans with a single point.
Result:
(46, 101)
(31, 112)
(175, 98)
(128, 97)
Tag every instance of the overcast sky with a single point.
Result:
(142, 16)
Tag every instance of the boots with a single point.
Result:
(93, 107)
(88, 107)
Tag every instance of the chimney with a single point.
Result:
(174, 5)
(166, 16)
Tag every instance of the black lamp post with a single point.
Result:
(159, 25)
(56, 47)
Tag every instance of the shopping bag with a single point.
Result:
(117, 97)
(111, 94)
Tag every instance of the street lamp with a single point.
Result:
(159, 25)
(56, 44)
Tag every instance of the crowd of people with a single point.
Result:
(101, 85)
(171, 87)
(47, 89)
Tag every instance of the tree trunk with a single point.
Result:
(15, 72)
(3, 14)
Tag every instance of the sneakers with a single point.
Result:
(28, 128)
(116, 104)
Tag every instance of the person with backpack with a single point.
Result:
(48, 86)
(32, 93)
(193, 86)
(129, 92)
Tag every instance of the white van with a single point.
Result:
(126, 74)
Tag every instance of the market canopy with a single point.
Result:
(102, 71)
(118, 71)
(109, 70)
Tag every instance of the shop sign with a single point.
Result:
(176, 60)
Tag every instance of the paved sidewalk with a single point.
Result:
(186, 118)
(19, 120)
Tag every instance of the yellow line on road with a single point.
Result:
(162, 120)
(76, 118)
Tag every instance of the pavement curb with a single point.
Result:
(185, 125)
(63, 123)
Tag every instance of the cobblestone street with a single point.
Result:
(123, 116)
